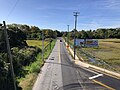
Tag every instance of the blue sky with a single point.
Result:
(57, 14)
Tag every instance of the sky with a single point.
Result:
(57, 14)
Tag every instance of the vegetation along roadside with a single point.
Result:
(25, 44)
(34, 68)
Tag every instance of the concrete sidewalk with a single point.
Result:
(95, 68)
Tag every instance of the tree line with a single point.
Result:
(34, 32)
(95, 34)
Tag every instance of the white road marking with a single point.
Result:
(93, 77)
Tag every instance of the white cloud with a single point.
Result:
(92, 25)
(107, 4)
(101, 23)
(113, 4)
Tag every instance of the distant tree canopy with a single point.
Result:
(59, 34)
(48, 33)
(95, 34)
(33, 32)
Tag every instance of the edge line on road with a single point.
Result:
(103, 85)
(59, 52)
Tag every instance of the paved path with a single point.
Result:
(50, 77)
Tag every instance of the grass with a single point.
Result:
(34, 68)
(25, 81)
(108, 51)
(37, 43)
(48, 50)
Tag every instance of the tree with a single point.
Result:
(2, 42)
(17, 38)
(84, 35)
(59, 34)
(34, 29)
(90, 34)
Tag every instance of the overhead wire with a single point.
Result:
(12, 9)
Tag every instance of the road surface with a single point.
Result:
(60, 73)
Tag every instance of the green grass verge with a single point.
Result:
(34, 68)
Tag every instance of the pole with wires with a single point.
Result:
(10, 55)
(42, 45)
(75, 14)
(68, 35)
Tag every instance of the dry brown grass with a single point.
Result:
(25, 83)
(108, 51)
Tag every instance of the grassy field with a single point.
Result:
(37, 43)
(108, 51)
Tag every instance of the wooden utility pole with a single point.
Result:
(42, 45)
(75, 14)
(9, 55)
(68, 35)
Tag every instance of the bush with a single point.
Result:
(35, 67)
(24, 57)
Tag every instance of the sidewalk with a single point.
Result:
(95, 68)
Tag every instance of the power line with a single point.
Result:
(12, 9)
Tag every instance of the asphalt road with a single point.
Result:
(60, 73)
(74, 77)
